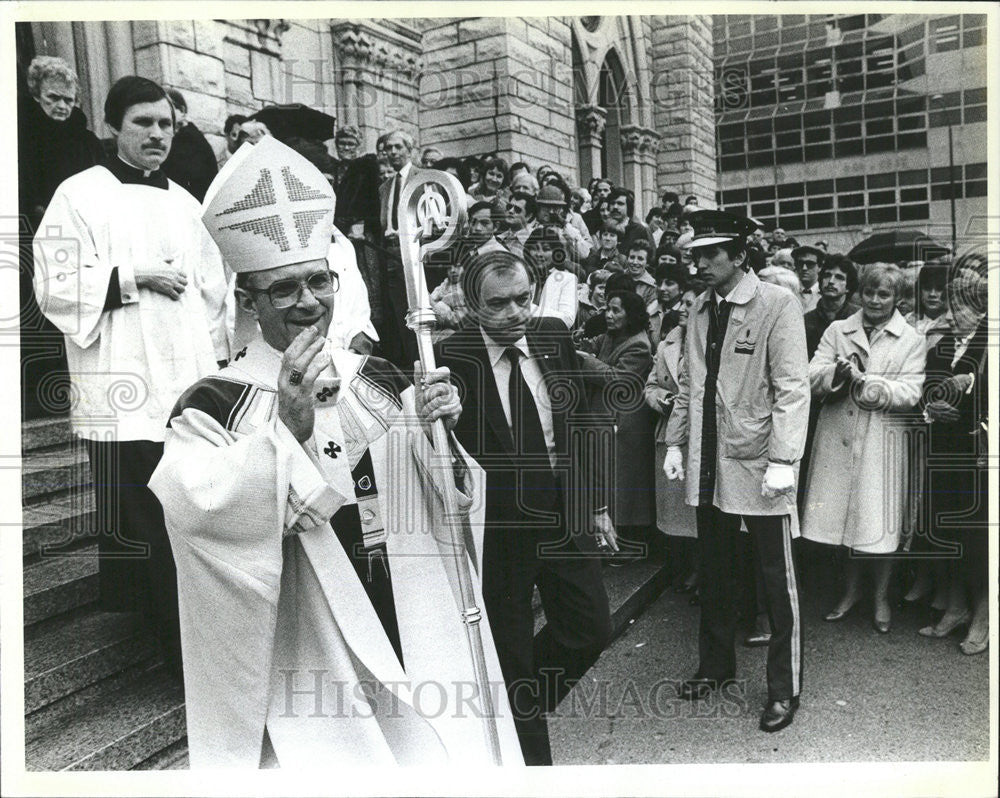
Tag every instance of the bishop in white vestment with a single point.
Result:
(320, 612)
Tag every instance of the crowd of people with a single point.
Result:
(744, 390)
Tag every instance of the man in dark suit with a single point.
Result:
(526, 421)
(399, 344)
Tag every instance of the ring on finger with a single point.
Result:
(295, 378)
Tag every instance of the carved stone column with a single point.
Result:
(377, 73)
(631, 142)
(590, 121)
(648, 148)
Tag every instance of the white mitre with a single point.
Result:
(269, 207)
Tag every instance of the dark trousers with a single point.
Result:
(539, 672)
(718, 546)
(397, 342)
(137, 572)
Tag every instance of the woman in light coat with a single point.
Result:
(868, 372)
(673, 517)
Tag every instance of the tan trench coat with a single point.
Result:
(858, 474)
(762, 397)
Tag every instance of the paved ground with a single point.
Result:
(866, 697)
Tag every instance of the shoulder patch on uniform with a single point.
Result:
(383, 377)
(223, 399)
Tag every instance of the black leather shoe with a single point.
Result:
(698, 687)
(757, 640)
(778, 714)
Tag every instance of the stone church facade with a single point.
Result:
(630, 98)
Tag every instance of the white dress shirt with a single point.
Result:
(532, 376)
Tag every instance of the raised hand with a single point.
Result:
(301, 364)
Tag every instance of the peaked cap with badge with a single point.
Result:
(718, 227)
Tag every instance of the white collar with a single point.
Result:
(497, 351)
(145, 172)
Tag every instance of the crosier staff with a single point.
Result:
(435, 201)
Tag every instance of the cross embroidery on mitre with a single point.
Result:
(265, 195)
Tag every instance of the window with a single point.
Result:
(975, 113)
(913, 194)
(909, 213)
(882, 197)
(850, 218)
(911, 141)
(736, 195)
(850, 183)
(943, 34)
(913, 177)
(883, 215)
(880, 144)
(845, 149)
(883, 180)
(732, 163)
(904, 123)
(878, 127)
(814, 187)
(816, 221)
(761, 193)
(820, 204)
(850, 131)
(818, 152)
(790, 139)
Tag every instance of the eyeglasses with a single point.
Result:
(286, 293)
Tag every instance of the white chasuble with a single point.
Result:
(279, 622)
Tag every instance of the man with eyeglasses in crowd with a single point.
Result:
(521, 213)
(296, 487)
(808, 261)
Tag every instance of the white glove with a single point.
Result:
(673, 464)
(779, 478)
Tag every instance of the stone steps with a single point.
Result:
(58, 584)
(71, 651)
(45, 432)
(117, 730)
(54, 471)
(58, 525)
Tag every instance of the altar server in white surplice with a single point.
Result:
(320, 618)
(125, 269)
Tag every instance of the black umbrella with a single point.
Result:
(897, 246)
(296, 120)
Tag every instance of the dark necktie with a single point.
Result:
(526, 426)
(718, 319)
(395, 201)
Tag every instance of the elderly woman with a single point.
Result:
(53, 140)
(53, 143)
(867, 372)
(955, 406)
(673, 517)
(618, 375)
(779, 275)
